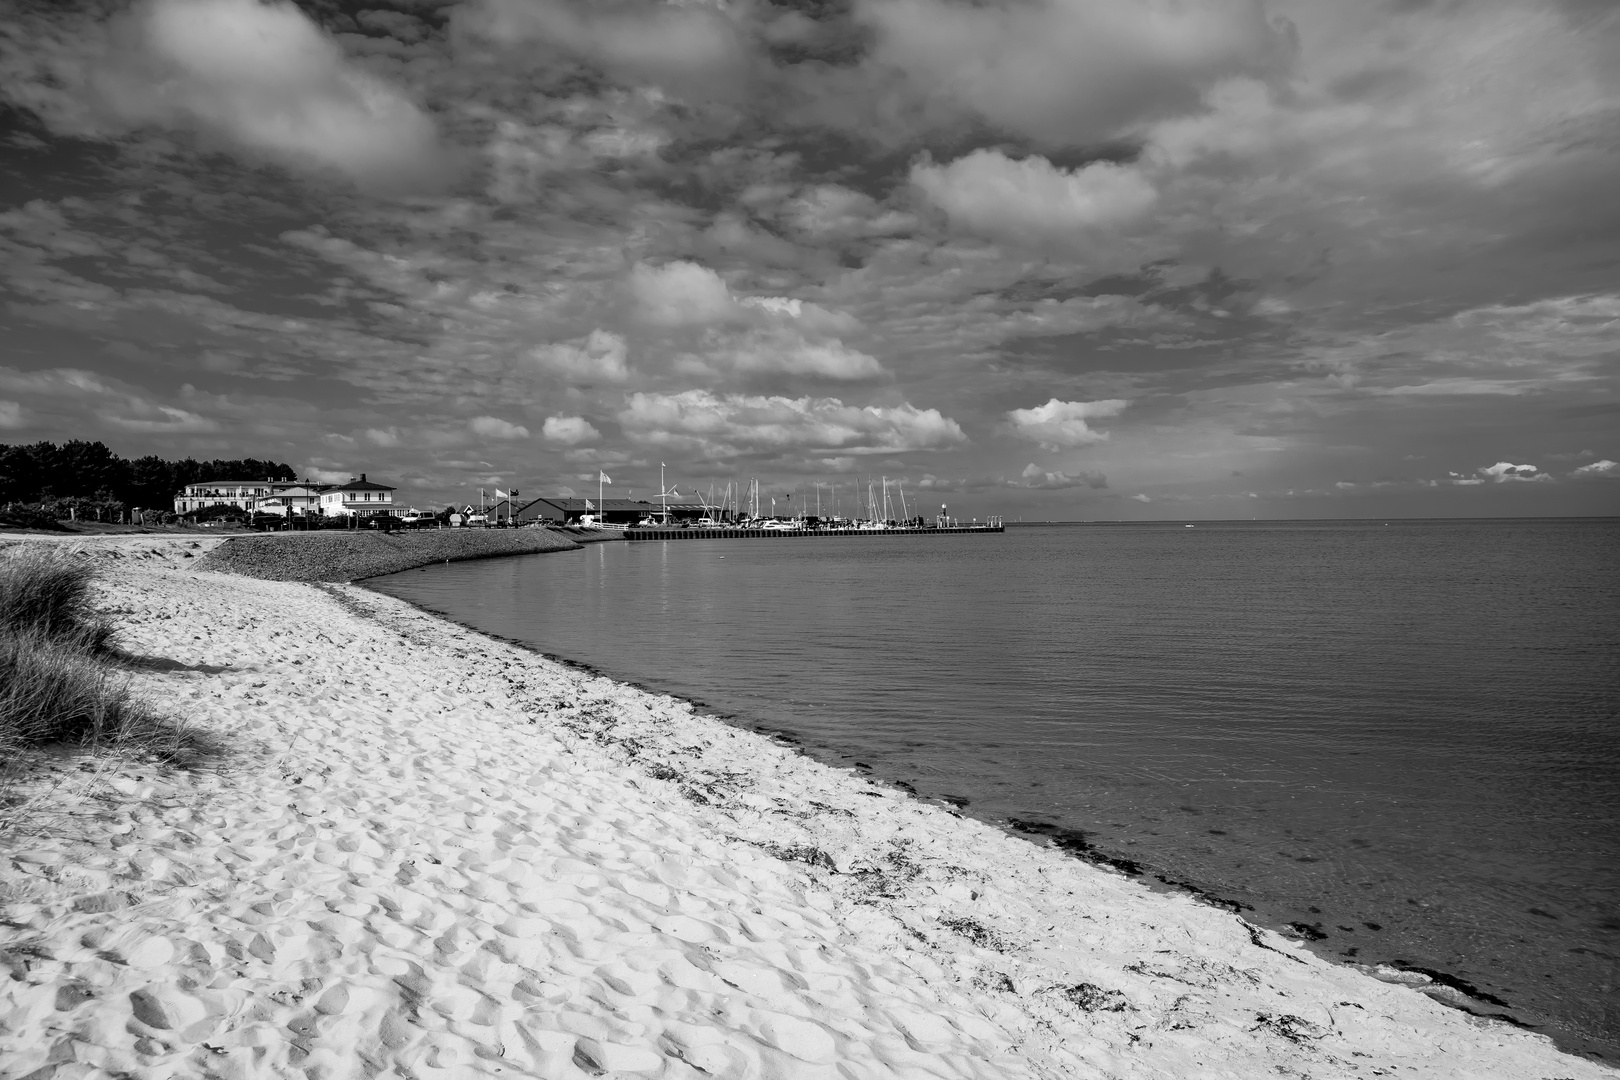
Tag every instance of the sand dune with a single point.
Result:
(434, 854)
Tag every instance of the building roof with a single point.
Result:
(362, 484)
(577, 505)
(242, 483)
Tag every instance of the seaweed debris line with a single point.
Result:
(433, 853)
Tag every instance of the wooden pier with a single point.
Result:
(781, 534)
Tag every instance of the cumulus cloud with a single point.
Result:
(692, 45)
(688, 294)
(1034, 476)
(71, 396)
(600, 357)
(161, 420)
(1141, 498)
(569, 430)
(749, 334)
(738, 423)
(1064, 72)
(833, 212)
(1033, 201)
(383, 436)
(493, 427)
(1060, 425)
(1504, 471)
(811, 318)
(787, 352)
(1597, 468)
(11, 416)
(680, 293)
(264, 78)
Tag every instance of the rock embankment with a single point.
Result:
(341, 556)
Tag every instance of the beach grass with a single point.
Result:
(48, 594)
(53, 690)
(62, 683)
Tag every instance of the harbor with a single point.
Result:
(727, 533)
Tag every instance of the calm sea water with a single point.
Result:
(1405, 737)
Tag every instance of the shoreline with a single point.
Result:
(437, 850)
(1442, 986)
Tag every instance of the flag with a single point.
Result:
(499, 494)
(603, 477)
(588, 505)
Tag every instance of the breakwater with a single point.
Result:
(777, 534)
(350, 556)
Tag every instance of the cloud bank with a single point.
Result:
(250, 76)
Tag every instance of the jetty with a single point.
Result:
(728, 533)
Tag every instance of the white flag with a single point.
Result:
(499, 494)
(588, 505)
(604, 477)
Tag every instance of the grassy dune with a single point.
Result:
(62, 683)
(350, 556)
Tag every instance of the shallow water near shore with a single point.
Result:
(1402, 739)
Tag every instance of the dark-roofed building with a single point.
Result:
(609, 511)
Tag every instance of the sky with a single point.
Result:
(1049, 259)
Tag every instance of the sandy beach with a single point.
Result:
(425, 852)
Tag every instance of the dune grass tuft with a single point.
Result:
(53, 691)
(49, 594)
(60, 680)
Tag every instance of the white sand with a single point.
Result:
(434, 854)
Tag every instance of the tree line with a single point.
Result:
(45, 473)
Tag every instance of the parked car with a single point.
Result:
(476, 519)
(418, 519)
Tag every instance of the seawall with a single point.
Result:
(343, 556)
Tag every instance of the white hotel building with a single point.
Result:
(242, 494)
(360, 498)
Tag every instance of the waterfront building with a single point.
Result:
(242, 494)
(301, 498)
(357, 498)
(605, 511)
